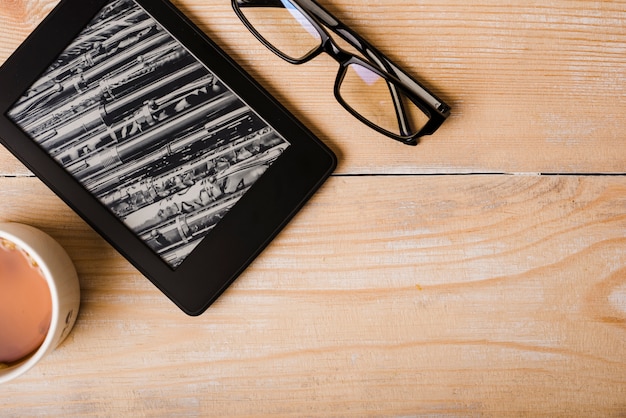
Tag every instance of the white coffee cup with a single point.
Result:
(58, 270)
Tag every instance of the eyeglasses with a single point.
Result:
(375, 90)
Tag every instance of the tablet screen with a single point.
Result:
(148, 129)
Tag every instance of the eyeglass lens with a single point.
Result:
(370, 95)
(282, 26)
(364, 91)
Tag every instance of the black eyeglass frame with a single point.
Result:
(436, 110)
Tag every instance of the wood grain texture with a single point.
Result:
(534, 87)
(425, 281)
(444, 295)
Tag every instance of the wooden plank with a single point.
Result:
(394, 295)
(534, 87)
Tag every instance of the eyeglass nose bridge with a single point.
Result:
(331, 48)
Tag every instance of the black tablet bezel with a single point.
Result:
(246, 229)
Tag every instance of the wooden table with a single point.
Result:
(482, 272)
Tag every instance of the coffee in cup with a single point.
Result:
(39, 297)
(25, 304)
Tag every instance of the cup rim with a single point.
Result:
(26, 364)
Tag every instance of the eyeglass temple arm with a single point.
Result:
(373, 54)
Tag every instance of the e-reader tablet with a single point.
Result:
(158, 140)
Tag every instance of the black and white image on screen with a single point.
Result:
(147, 129)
